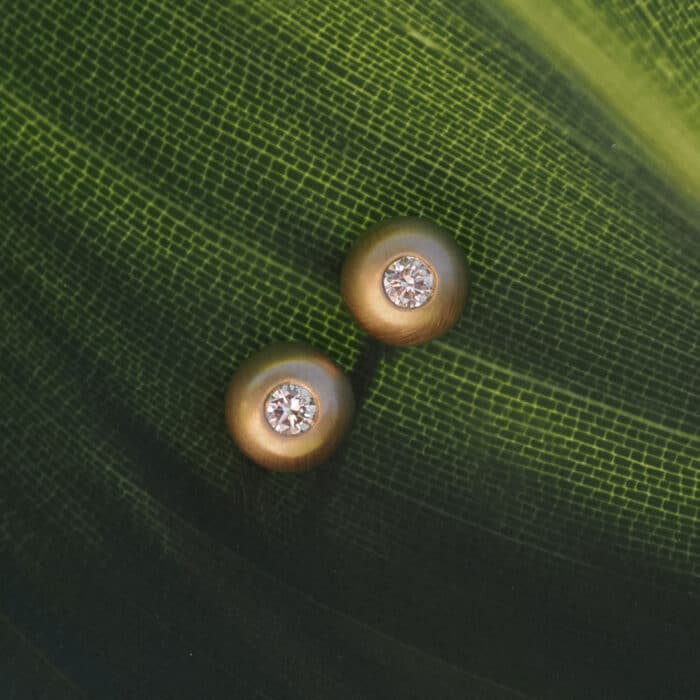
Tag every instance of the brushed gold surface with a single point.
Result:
(362, 281)
(257, 376)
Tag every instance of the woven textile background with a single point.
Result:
(516, 512)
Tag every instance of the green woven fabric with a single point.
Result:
(516, 512)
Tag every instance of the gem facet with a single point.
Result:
(408, 282)
(290, 409)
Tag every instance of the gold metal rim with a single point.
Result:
(362, 281)
(251, 385)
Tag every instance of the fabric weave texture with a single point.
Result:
(516, 511)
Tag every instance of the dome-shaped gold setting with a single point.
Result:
(288, 407)
(414, 308)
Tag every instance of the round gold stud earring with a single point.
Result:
(406, 281)
(288, 407)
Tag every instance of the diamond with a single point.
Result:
(290, 409)
(408, 282)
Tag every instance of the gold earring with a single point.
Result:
(405, 281)
(288, 407)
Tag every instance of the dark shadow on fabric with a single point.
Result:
(361, 377)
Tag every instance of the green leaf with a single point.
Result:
(516, 511)
(640, 63)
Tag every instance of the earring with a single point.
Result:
(405, 281)
(288, 407)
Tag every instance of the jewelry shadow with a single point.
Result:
(362, 376)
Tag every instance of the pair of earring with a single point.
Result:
(289, 406)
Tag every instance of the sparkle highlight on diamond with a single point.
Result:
(290, 409)
(408, 282)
